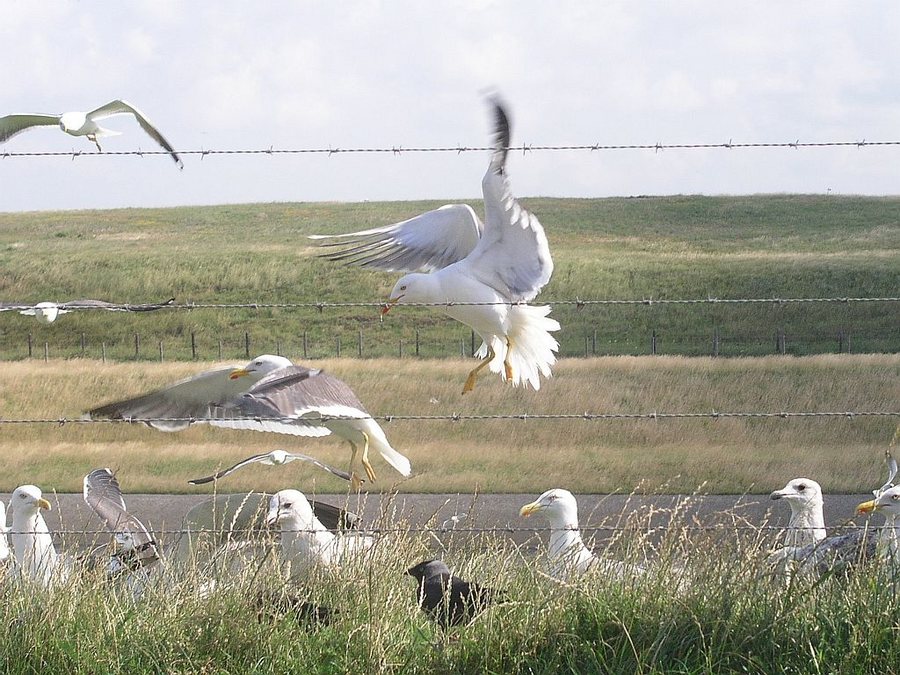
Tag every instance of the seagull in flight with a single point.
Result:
(484, 273)
(48, 312)
(79, 123)
(274, 458)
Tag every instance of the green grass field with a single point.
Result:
(693, 247)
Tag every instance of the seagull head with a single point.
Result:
(259, 367)
(427, 569)
(800, 493)
(28, 499)
(411, 288)
(888, 502)
(71, 122)
(46, 312)
(290, 509)
(558, 505)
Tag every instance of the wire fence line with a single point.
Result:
(525, 148)
(458, 417)
(577, 302)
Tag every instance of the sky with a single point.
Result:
(294, 75)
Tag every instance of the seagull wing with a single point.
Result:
(113, 307)
(103, 495)
(333, 517)
(187, 400)
(424, 243)
(119, 107)
(513, 256)
(292, 401)
(16, 124)
(260, 458)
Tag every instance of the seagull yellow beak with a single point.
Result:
(43, 504)
(390, 304)
(865, 507)
(239, 372)
(528, 509)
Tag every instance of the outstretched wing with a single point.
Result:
(103, 495)
(259, 458)
(10, 125)
(424, 243)
(113, 307)
(186, 400)
(119, 107)
(513, 256)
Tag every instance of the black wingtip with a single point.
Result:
(502, 132)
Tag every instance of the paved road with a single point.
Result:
(166, 512)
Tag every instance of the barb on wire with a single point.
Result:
(457, 417)
(459, 149)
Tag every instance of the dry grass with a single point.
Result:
(727, 455)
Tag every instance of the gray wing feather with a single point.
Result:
(103, 495)
(10, 125)
(113, 307)
(119, 107)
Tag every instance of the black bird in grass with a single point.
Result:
(271, 604)
(447, 599)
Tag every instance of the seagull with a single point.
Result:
(500, 265)
(4, 529)
(268, 394)
(274, 458)
(807, 524)
(888, 503)
(84, 124)
(47, 312)
(305, 539)
(568, 554)
(36, 556)
(448, 599)
(136, 547)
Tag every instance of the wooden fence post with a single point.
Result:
(193, 346)
(29, 345)
(359, 343)
(247, 344)
(417, 341)
(339, 346)
(103, 352)
(594, 343)
(400, 350)
(83, 344)
(46, 351)
(220, 350)
(137, 345)
(780, 341)
(161, 355)
(653, 343)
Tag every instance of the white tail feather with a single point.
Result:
(533, 347)
(378, 441)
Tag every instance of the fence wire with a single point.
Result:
(525, 148)
(457, 417)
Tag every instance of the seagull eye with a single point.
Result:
(403, 288)
(895, 497)
(286, 505)
(801, 488)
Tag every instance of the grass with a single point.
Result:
(769, 246)
(691, 613)
(599, 456)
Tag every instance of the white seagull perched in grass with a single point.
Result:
(807, 524)
(499, 266)
(304, 539)
(78, 123)
(4, 529)
(36, 557)
(268, 394)
(568, 554)
(48, 312)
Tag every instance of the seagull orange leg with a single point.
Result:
(506, 364)
(355, 481)
(470, 380)
(370, 472)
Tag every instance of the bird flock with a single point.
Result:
(483, 274)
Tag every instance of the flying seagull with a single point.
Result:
(500, 265)
(47, 312)
(36, 557)
(304, 539)
(568, 555)
(84, 124)
(268, 394)
(448, 599)
(274, 458)
(135, 545)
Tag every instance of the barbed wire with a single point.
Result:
(524, 148)
(577, 302)
(458, 417)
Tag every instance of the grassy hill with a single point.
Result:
(771, 246)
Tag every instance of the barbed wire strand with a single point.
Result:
(457, 417)
(525, 148)
(577, 302)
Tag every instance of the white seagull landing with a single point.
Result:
(47, 312)
(135, 546)
(268, 394)
(36, 557)
(568, 554)
(500, 265)
(78, 123)
(274, 458)
(304, 539)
